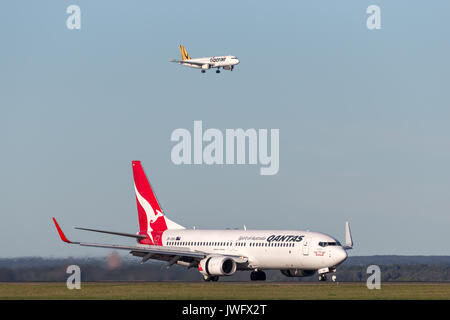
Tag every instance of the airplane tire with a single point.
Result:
(215, 279)
(262, 276)
(258, 276)
(322, 277)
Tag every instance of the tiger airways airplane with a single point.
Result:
(217, 253)
(224, 62)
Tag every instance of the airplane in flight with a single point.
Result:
(224, 62)
(219, 253)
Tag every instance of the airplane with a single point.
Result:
(218, 253)
(225, 62)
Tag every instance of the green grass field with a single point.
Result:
(225, 291)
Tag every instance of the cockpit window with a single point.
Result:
(331, 243)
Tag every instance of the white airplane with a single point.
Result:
(225, 62)
(218, 253)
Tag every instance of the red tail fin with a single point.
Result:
(151, 218)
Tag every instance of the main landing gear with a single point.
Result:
(258, 276)
(217, 71)
(211, 278)
(323, 277)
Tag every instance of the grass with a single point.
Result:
(224, 291)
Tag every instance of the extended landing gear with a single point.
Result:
(211, 278)
(217, 71)
(203, 71)
(323, 277)
(258, 276)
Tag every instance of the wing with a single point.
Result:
(190, 62)
(171, 254)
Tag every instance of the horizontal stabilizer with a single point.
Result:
(123, 234)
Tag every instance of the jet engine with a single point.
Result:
(298, 273)
(217, 266)
(205, 66)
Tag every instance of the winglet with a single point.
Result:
(348, 237)
(61, 233)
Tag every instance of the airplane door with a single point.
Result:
(306, 246)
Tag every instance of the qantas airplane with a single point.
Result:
(219, 253)
(225, 62)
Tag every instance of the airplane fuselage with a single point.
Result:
(265, 249)
(211, 62)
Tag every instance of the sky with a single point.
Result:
(362, 116)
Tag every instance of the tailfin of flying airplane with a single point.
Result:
(184, 54)
(152, 221)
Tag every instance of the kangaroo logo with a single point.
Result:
(151, 215)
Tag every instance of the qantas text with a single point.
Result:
(284, 238)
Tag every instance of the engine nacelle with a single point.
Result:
(205, 66)
(298, 273)
(217, 266)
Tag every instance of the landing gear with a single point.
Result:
(209, 278)
(217, 71)
(323, 277)
(258, 276)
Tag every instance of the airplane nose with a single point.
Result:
(237, 61)
(341, 255)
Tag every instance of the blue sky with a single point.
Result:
(363, 118)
